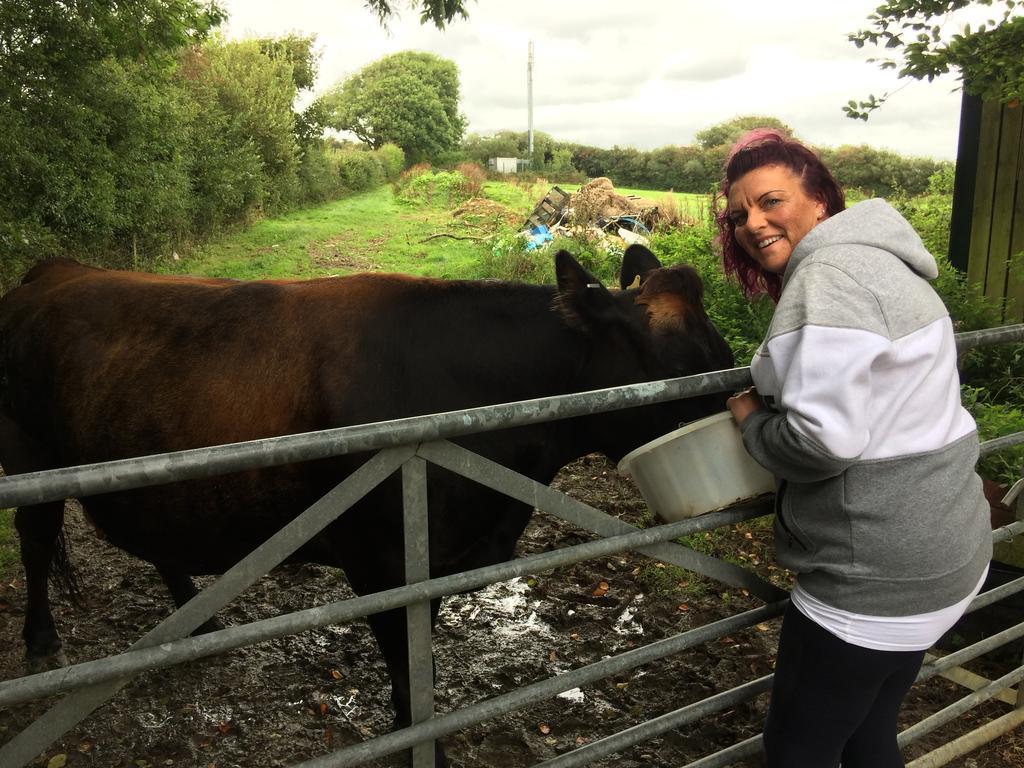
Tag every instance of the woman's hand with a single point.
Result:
(744, 403)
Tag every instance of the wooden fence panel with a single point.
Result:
(997, 217)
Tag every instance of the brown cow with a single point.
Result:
(98, 365)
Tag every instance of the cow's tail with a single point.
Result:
(63, 577)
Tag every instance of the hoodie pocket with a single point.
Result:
(784, 516)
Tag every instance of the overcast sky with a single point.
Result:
(641, 73)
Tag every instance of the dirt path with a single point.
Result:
(293, 699)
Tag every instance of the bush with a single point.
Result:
(508, 259)
(425, 186)
(392, 159)
(319, 179)
(22, 244)
(475, 177)
(359, 169)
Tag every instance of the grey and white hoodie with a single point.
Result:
(879, 509)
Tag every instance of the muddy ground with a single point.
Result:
(291, 700)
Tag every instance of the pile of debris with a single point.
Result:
(596, 210)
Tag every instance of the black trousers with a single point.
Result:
(834, 703)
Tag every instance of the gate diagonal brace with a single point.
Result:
(74, 707)
(504, 480)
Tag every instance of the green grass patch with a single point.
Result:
(691, 204)
(375, 231)
(372, 231)
(8, 545)
(519, 196)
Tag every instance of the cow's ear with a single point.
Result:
(637, 262)
(581, 298)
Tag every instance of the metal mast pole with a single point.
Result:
(529, 102)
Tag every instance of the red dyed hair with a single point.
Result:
(757, 148)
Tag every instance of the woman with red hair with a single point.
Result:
(856, 411)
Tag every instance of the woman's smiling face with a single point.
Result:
(771, 213)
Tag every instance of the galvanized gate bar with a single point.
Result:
(753, 746)
(970, 741)
(729, 755)
(999, 443)
(72, 709)
(541, 690)
(417, 569)
(192, 648)
(990, 596)
(461, 461)
(973, 651)
(648, 729)
(56, 484)
(953, 711)
(1006, 532)
(92, 479)
(1003, 334)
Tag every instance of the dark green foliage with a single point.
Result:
(918, 35)
(126, 132)
(91, 127)
(438, 12)
(881, 173)
(422, 185)
(296, 50)
(729, 131)
(698, 168)
(392, 160)
(359, 169)
(244, 103)
(550, 157)
(410, 99)
(318, 176)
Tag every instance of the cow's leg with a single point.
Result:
(389, 628)
(183, 589)
(39, 530)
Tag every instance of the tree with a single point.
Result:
(90, 125)
(243, 130)
(729, 131)
(410, 99)
(480, 149)
(987, 58)
(879, 172)
(298, 51)
(440, 12)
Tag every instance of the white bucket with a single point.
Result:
(700, 467)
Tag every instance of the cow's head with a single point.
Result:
(654, 328)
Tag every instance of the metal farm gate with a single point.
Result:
(407, 444)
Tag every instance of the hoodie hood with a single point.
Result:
(873, 223)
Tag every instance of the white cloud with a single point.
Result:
(644, 73)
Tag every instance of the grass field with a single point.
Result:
(371, 231)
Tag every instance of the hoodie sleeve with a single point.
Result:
(818, 371)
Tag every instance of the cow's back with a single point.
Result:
(104, 365)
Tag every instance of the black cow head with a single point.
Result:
(654, 328)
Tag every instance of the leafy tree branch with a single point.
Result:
(438, 12)
(926, 40)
